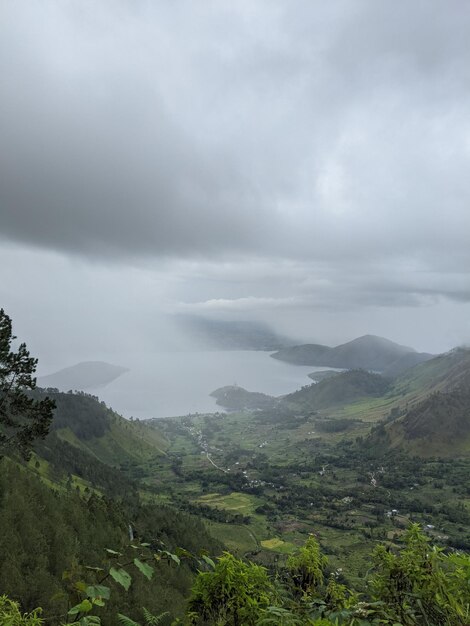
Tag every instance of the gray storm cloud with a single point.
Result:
(283, 155)
(140, 128)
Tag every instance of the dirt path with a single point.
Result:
(216, 466)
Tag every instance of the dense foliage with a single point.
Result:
(49, 537)
(22, 418)
(418, 585)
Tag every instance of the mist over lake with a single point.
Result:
(166, 384)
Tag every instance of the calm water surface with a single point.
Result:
(178, 383)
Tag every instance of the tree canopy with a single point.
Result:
(22, 418)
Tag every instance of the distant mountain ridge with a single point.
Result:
(368, 352)
(231, 335)
(82, 376)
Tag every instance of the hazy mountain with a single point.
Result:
(367, 352)
(230, 335)
(305, 354)
(82, 376)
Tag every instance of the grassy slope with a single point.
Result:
(122, 442)
(338, 390)
(437, 426)
(431, 422)
(440, 374)
(88, 424)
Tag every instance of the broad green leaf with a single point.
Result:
(208, 560)
(98, 591)
(172, 556)
(83, 607)
(146, 570)
(121, 576)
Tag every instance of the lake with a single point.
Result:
(177, 383)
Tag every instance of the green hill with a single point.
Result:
(343, 388)
(88, 424)
(435, 420)
(78, 497)
(237, 398)
(442, 416)
(442, 373)
(50, 539)
(438, 426)
(367, 352)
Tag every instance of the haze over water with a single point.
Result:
(166, 384)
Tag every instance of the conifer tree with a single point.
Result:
(22, 418)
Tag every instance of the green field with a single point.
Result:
(239, 502)
(265, 480)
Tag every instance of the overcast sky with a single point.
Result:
(302, 163)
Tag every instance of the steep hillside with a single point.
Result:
(343, 388)
(435, 416)
(442, 373)
(441, 417)
(367, 352)
(86, 423)
(405, 362)
(49, 538)
(438, 426)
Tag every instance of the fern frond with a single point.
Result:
(126, 621)
(153, 620)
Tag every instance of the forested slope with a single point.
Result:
(45, 533)
(88, 424)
